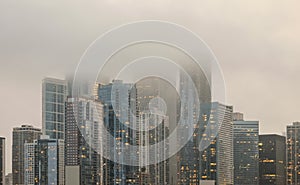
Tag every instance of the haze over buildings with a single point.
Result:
(257, 44)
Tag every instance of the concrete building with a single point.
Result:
(21, 135)
(29, 163)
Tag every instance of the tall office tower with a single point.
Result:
(293, 153)
(245, 147)
(158, 126)
(272, 159)
(156, 105)
(119, 100)
(82, 139)
(188, 158)
(216, 161)
(45, 159)
(54, 95)
(142, 101)
(2, 160)
(21, 135)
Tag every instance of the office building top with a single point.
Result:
(54, 95)
(237, 116)
(21, 135)
(245, 137)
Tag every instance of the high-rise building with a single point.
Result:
(272, 159)
(118, 98)
(45, 161)
(156, 110)
(82, 139)
(29, 163)
(293, 153)
(126, 104)
(2, 160)
(216, 162)
(245, 147)
(157, 173)
(21, 135)
(54, 95)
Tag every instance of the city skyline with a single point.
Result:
(258, 50)
(8, 140)
(224, 148)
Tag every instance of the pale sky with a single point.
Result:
(256, 42)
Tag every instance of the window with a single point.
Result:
(51, 87)
(60, 89)
(50, 97)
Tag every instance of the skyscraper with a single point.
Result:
(157, 173)
(54, 95)
(118, 98)
(2, 160)
(45, 159)
(272, 159)
(216, 161)
(156, 110)
(245, 139)
(21, 135)
(82, 139)
(293, 153)
(29, 163)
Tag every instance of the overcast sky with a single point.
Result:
(256, 42)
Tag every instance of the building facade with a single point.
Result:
(293, 153)
(246, 155)
(272, 159)
(216, 161)
(117, 98)
(21, 135)
(2, 160)
(29, 163)
(54, 95)
(82, 139)
(45, 162)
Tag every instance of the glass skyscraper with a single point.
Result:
(245, 139)
(21, 135)
(54, 95)
(124, 97)
(216, 161)
(272, 159)
(82, 138)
